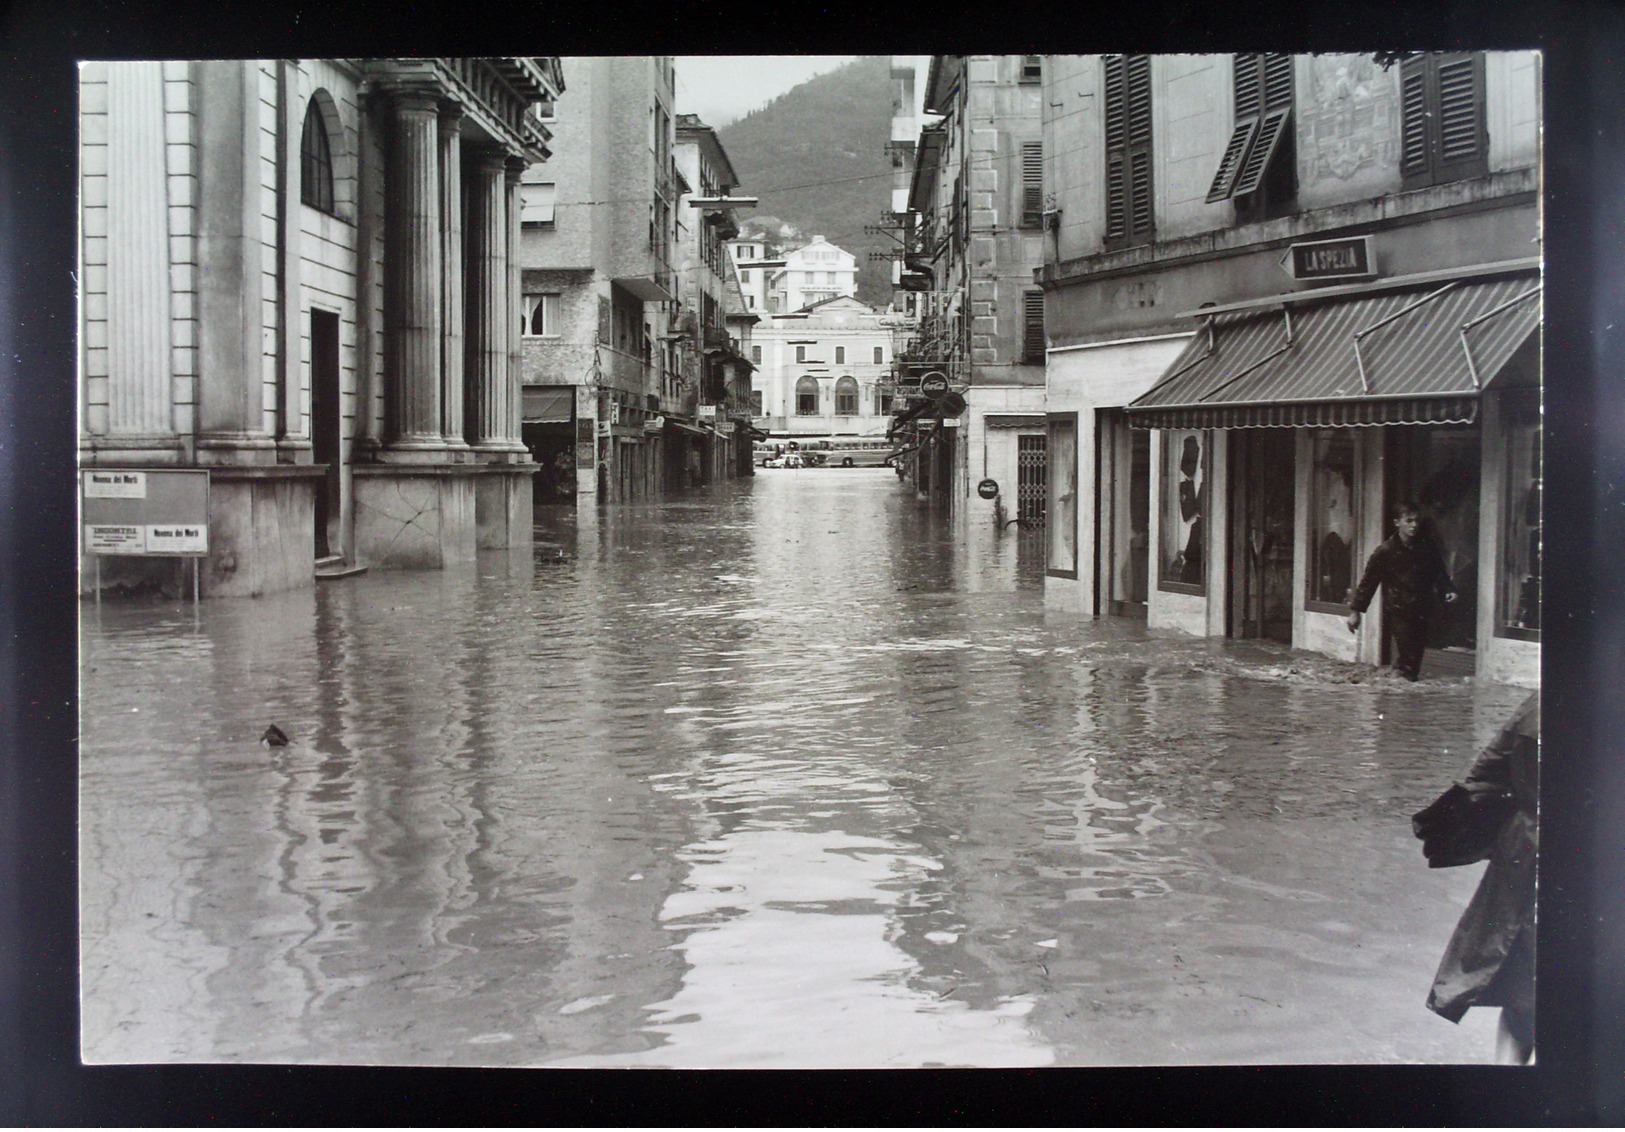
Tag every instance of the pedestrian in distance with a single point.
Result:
(1410, 570)
(1490, 959)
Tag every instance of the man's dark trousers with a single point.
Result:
(1410, 636)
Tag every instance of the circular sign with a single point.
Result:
(988, 489)
(934, 384)
(951, 404)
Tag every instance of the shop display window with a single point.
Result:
(1518, 614)
(1333, 520)
(1061, 506)
(1183, 539)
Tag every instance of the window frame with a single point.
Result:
(1262, 139)
(802, 385)
(1033, 342)
(1519, 411)
(532, 302)
(1061, 516)
(846, 386)
(1317, 527)
(1031, 209)
(318, 181)
(531, 202)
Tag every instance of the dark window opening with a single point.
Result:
(1259, 166)
(316, 162)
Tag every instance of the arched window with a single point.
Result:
(316, 162)
(807, 397)
(846, 397)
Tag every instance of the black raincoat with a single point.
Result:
(1490, 960)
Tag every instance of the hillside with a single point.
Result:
(816, 156)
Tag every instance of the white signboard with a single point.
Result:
(181, 538)
(115, 485)
(108, 539)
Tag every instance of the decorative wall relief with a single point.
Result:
(1350, 121)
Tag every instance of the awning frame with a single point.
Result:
(1359, 361)
(1466, 348)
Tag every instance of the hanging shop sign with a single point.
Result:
(1350, 257)
(988, 489)
(934, 384)
(951, 404)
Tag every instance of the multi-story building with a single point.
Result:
(811, 274)
(824, 372)
(298, 275)
(975, 235)
(754, 268)
(710, 425)
(598, 256)
(1284, 293)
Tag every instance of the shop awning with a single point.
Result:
(683, 426)
(1390, 355)
(548, 404)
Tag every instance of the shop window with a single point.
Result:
(1442, 134)
(807, 397)
(1518, 614)
(1129, 215)
(1259, 165)
(316, 162)
(846, 397)
(541, 316)
(1333, 520)
(1061, 501)
(1182, 554)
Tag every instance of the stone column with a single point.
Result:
(515, 384)
(412, 276)
(452, 267)
(489, 308)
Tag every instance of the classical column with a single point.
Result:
(489, 308)
(451, 258)
(516, 348)
(412, 276)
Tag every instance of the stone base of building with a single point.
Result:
(425, 517)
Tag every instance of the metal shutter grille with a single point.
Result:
(1032, 475)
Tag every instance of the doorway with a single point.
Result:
(326, 428)
(1123, 505)
(1437, 467)
(1261, 533)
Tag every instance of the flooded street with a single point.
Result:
(773, 774)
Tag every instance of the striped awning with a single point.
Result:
(547, 404)
(1393, 356)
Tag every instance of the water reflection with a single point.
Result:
(781, 773)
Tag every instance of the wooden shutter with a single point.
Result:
(1032, 183)
(1269, 138)
(1130, 212)
(1413, 101)
(1263, 108)
(1443, 134)
(1032, 339)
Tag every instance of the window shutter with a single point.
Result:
(1224, 181)
(1269, 137)
(1413, 86)
(1115, 102)
(1277, 81)
(1461, 115)
(1032, 183)
(1032, 309)
(1116, 196)
(1129, 209)
(1249, 101)
(1140, 212)
(1138, 80)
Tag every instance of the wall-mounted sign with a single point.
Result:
(988, 489)
(653, 424)
(1351, 257)
(951, 404)
(115, 484)
(934, 384)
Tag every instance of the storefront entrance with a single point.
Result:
(1437, 467)
(1261, 533)
(1123, 504)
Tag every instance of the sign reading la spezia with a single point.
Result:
(152, 538)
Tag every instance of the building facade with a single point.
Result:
(824, 373)
(298, 275)
(1282, 294)
(713, 417)
(811, 274)
(974, 236)
(598, 255)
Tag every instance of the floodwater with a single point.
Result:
(774, 774)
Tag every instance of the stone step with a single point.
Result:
(334, 566)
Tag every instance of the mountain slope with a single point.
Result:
(816, 156)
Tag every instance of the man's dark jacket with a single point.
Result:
(1408, 575)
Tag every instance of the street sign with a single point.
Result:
(1347, 258)
(988, 489)
(934, 384)
(951, 404)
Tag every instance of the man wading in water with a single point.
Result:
(1409, 569)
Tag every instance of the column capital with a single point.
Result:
(488, 161)
(412, 99)
(515, 166)
(452, 113)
